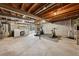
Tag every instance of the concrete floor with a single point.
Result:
(33, 46)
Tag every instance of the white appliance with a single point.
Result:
(18, 31)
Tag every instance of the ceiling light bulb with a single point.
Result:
(24, 16)
(43, 21)
(55, 13)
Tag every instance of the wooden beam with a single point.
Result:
(49, 9)
(33, 6)
(40, 8)
(62, 10)
(53, 8)
(22, 6)
(5, 7)
(63, 16)
(4, 11)
(13, 5)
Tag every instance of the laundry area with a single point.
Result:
(39, 29)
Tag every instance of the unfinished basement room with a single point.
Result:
(39, 29)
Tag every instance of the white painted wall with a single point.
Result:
(62, 28)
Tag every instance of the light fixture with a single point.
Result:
(43, 21)
(55, 13)
(24, 16)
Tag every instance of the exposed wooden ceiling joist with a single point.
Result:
(22, 6)
(26, 6)
(64, 9)
(47, 10)
(54, 7)
(5, 7)
(32, 7)
(13, 5)
(64, 16)
(40, 11)
(39, 7)
(45, 4)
